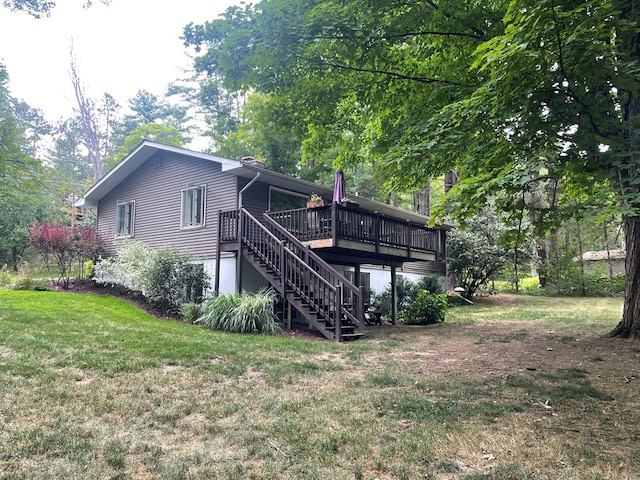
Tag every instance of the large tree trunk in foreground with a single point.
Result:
(629, 326)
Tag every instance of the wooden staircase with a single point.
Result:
(323, 296)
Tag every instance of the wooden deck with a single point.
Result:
(296, 251)
(350, 228)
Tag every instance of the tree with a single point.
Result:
(560, 100)
(154, 132)
(38, 8)
(65, 245)
(477, 252)
(89, 123)
(67, 158)
(147, 108)
(33, 125)
(510, 93)
(25, 193)
(364, 80)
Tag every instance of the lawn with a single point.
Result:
(513, 387)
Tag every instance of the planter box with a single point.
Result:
(316, 204)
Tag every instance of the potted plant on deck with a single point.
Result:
(316, 201)
(348, 202)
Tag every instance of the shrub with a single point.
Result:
(565, 278)
(190, 312)
(218, 311)
(6, 277)
(26, 279)
(65, 245)
(241, 313)
(166, 278)
(406, 292)
(426, 308)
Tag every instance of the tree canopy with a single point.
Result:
(519, 96)
(38, 8)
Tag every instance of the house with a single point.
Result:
(604, 262)
(250, 228)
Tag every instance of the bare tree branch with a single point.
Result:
(87, 121)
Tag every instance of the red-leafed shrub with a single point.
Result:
(65, 246)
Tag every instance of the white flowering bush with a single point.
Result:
(167, 278)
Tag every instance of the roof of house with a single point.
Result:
(146, 149)
(600, 255)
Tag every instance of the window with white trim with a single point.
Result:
(193, 201)
(125, 219)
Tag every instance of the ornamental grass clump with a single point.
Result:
(241, 313)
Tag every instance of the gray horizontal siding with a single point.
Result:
(256, 198)
(156, 188)
(424, 268)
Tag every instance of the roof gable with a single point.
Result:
(145, 150)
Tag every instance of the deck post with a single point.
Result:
(394, 300)
(334, 223)
(338, 314)
(216, 280)
(239, 253)
(283, 270)
(376, 229)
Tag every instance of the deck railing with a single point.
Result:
(294, 268)
(352, 223)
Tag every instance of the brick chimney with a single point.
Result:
(254, 162)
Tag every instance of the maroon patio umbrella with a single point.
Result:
(338, 189)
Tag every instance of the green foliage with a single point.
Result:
(66, 246)
(241, 313)
(6, 277)
(406, 293)
(476, 252)
(190, 312)
(565, 277)
(518, 97)
(166, 277)
(38, 8)
(218, 311)
(150, 131)
(425, 309)
(27, 279)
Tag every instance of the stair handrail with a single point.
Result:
(321, 296)
(357, 316)
(286, 256)
(277, 264)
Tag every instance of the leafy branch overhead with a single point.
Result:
(517, 96)
(39, 8)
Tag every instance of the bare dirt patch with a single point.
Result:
(502, 348)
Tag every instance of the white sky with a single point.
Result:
(120, 48)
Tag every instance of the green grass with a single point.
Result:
(92, 387)
(553, 312)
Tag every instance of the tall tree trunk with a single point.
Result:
(629, 326)
(422, 199)
(583, 288)
(628, 42)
